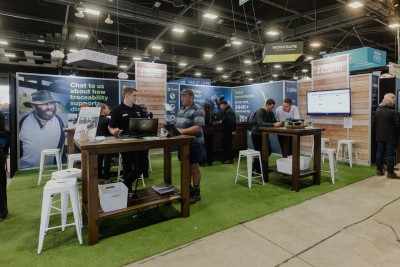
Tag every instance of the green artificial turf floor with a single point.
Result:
(133, 236)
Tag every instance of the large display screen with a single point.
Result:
(329, 102)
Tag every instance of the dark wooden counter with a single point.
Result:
(91, 212)
(295, 134)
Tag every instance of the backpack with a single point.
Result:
(250, 119)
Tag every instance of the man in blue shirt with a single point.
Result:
(189, 121)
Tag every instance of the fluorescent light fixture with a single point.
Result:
(315, 44)
(9, 55)
(247, 72)
(183, 64)
(207, 55)
(394, 25)
(137, 58)
(157, 4)
(272, 33)
(72, 50)
(210, 16)
(225, 76)
(3, 42)
(197, 73)
(123, 66)
(236, 42)
(81, 35)
(41, 39)
(295, 77)
(304, 70)
(92, 11)
(355, 4)
(247, 61)
(219, 68)
(251, 79)
(158, 47)
(274, 75)
(309, 57)
(277, 66)
(178, 30)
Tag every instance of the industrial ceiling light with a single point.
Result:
(315, 44)
(277, 66)
(219, 68)
(57, 54)
(355, 4)
(248, 72)
(81, 35)
(183, 64)
(208, 55)
(9, 55)
(251, 79)
(228, 44)
(109, 20)
(79, 14)
(197, 73)
(41, 39)
(158, 47)
(247, 61)
(236, 42)
(3, 42)
(210, 16)
(122, 75)
(92, 11)
(157, 4)
(394, 25)
(123, 66)
(272, 33)
(178, 30)
(137, 58)
(225, 76)
(274, 75)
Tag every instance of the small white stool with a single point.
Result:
(67, 173)
(349, 145)
(250, 155)
(333, 166)
(72, 158)
(48, 152)
(325, 142)
(120, 177)
(66, 187)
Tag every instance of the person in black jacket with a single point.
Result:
(387, 128)
(102, 130)
(264, 117)
(208, 131)
(119, 124)
(229, 130)
(5, 136)
(3, 187)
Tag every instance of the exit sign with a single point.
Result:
(241, 2)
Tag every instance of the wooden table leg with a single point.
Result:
(93, 196)
(167, 165)
(295, 163)
(185, 181)
(265, 155)
(85, 178)
(317, 158)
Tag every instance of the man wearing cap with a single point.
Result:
(228, 124)
(189, 121)
(40, 129)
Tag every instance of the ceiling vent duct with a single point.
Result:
(177, 3)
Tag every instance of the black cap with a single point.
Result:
(224, 102)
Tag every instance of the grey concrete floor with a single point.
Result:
(358, 225)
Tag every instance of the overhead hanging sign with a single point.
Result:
(282, 52)
(330, 73)
(363, 58)
(91, 59)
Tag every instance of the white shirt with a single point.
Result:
(293, 113)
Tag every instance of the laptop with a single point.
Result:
(171, 129)
(140, 127)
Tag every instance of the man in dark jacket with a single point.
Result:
(229, 130)
(387, 126)
(264, 117)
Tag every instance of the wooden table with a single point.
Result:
(91, 210)
(295, 134)
(70, 140)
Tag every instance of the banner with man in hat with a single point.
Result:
(40, 129)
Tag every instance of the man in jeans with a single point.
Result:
(387, 126)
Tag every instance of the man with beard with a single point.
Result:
(40, 129)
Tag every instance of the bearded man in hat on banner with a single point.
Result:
(40, 129)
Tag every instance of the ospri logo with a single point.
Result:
(329, 68)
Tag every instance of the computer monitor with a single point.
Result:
(143, 126)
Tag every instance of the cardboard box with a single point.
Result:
(113, 196)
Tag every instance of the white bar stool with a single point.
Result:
(48, 152)
(120, 177)
(67, 187)
(325, 142)
(333, 166)
(349, 145)
(72, 158)
(250, 155)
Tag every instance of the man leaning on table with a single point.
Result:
(190, 121)
(287, 111)
(264, 117)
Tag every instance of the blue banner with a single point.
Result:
(171, 101)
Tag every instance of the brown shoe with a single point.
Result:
(380, 173)
(392, 175)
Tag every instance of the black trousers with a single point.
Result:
(257, 144)
(104, 170)
(3, 186)
(227, 144)
(281, 140)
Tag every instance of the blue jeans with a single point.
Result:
(390, 148)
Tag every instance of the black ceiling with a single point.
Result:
(139, 24)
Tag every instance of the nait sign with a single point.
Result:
(282, 52)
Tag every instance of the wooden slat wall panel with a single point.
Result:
(333, 125)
